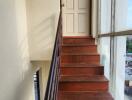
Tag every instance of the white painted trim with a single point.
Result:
(94, 24)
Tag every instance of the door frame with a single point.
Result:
(93, 12)
(95, 17)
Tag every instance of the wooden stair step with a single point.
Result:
(76, 48)
(83, 83)
(80, 58)
(97, 78)
(85, 54)
(80, 65)
(79, 44)
(82, 70)
(63, 95)
(78, 39)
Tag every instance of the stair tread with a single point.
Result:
(89, 54)
(84, 95)
(78, 37)
(80, 65)
(96, 78)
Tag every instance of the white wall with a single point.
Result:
(42, 23)
(105, 16)
(105, 55)
(105, 27)
(104, 43)
(121, 15)
(16, 73)
(120, 50)
(120, 44)
(120, 53)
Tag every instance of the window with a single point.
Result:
(129, 14)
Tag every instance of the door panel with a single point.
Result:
(76, 17)
(69, 23)
(83, 4)
(82, 23)
(70, 4)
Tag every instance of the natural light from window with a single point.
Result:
(129, 17)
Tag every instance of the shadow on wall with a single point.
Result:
(41, 39)
(26, 87)
(103, 59)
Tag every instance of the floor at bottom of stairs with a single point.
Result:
(65, 95)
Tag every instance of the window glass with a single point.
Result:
(128, 69)
(129, 15)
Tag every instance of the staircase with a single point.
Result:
(81, 75)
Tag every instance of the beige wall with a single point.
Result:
(44, 73)
(42, 23)
(16, 73)
(43, 67)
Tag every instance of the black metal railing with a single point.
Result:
(53, 80)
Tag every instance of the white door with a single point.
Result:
(76, 17)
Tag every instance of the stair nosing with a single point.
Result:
(68, 81)
(75, 45)
(78, 37)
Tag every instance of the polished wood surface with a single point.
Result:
(66, 95)
(82, 70)
(81, 74)
(78, 40)
(70, 48)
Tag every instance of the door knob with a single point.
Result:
(62, 5)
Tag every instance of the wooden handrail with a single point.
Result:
(53, 79)
(120, 33)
